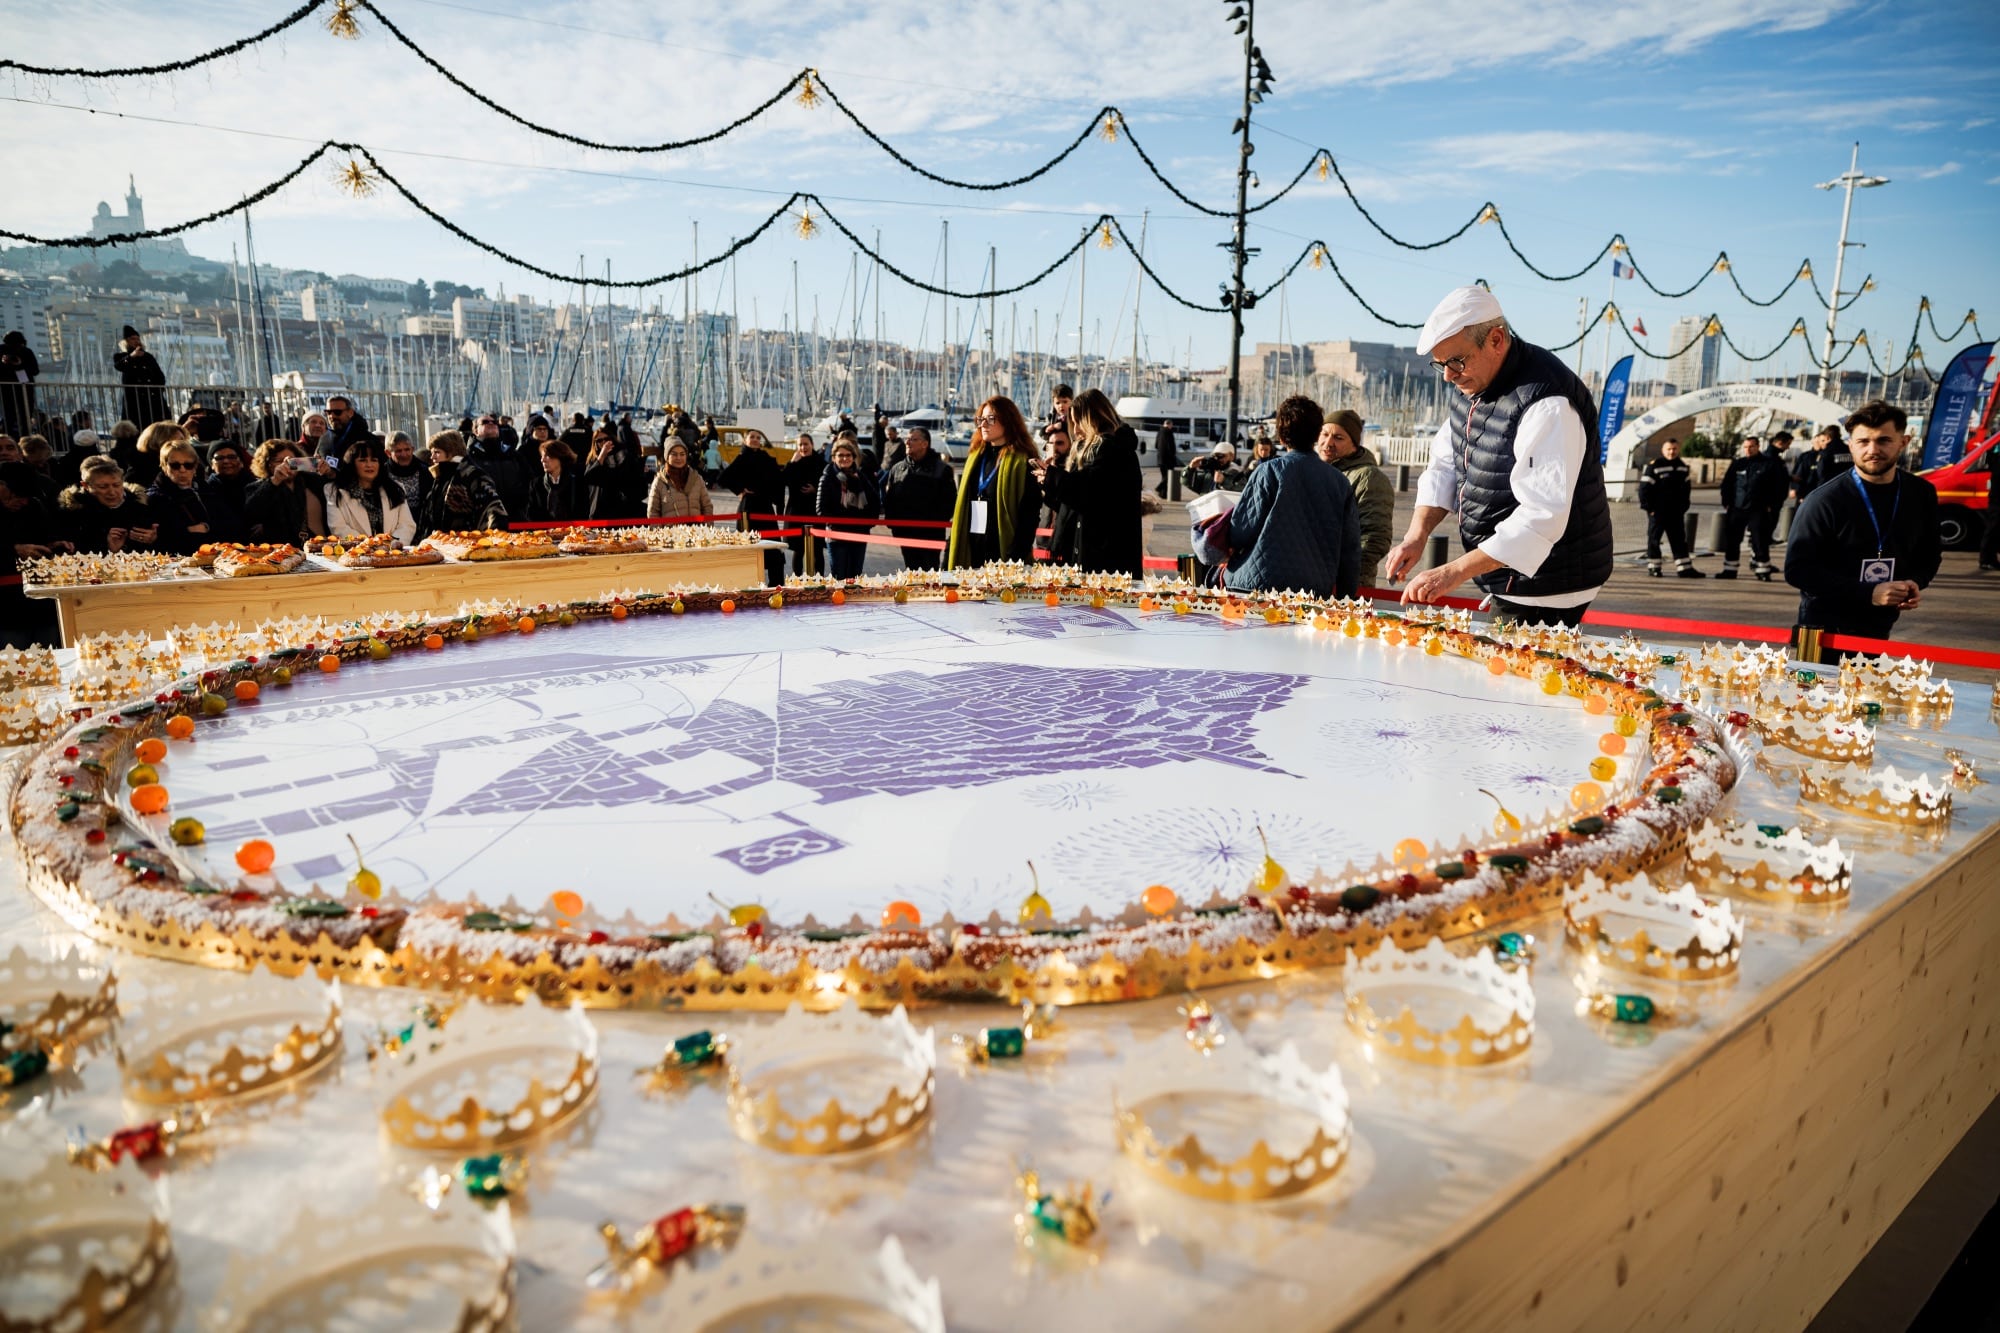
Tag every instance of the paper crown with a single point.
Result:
(1785, 697)
(1484, 992)
(1820, 738)
(81, 1247)
(1899, 680)
(387, 1248)
(235, 1041)
(1681, 935)
(1168, 1067)
(798, 1040)
(1740, 669)
(758, 1273)
(1744, 861)
(1886, 795)
(52, 1001)
(491, 1077)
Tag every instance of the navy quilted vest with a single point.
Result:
(1482, 431)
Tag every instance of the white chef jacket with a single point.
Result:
(1548, 456)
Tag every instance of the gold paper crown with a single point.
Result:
(1740, 669)
(1776, 700)
(491, 1078)
(1821, 738)
(91, 1245)
(797, 1040)
(1746, 862)
(233, 1042)
(1477, 979)
(1683, 937)
(758, 1274)
(1168, 1067)
(1886, 795)
(389, 1247)
(51, 1002)
(1898, 680)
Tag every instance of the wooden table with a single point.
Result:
(158, 607)
(1723, 1172)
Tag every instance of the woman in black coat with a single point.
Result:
(103, 514)
(614, 477)
(1096, 494)
(275, 509)
(18, 369)
(225, 492)
(556, 496)
(176, 501)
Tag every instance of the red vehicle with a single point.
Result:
(1963, 486)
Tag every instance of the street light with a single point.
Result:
(1852, 180)
(1257, 82)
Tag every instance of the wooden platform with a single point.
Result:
(157, 607)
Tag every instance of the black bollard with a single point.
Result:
(1440, 551)
(1402, 477)
(1693, 521)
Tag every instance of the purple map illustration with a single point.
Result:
(785, 758)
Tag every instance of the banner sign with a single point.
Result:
(1955, 409)
(1611, 415)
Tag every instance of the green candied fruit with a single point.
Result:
(1360, 897)
(325, 907)
(1680, 719)
(1772, 830)
(1228, 909)
(484, 1177)
(1631, 1009)
(493, 921)
(1669, 795)
(1003, 1043)
(1668, 659)
(18, 1067)
(1513, 943)
(1588, 826)
(697, 1048)
(1449, 870)
(1508, 863)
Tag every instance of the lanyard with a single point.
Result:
(1465, 450)
(988, 470)
(1869, 503)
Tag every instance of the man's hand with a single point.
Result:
(29, 551)
(1899, 593)
(1403, 557)
(144, 536)
(115, 539)
(1435, 583)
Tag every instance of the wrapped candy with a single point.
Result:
(152, 1141)
(487, 1179)
(661, 1241)
(1037, 1021)
(1070, 1214)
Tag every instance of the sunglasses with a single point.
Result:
(180, 467)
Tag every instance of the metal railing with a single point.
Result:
(56, 402)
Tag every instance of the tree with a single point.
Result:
(419, 295)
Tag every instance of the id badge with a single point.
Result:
(978, 518)
(1879, 570)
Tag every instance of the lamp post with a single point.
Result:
(1257, 81)
(1852, 180)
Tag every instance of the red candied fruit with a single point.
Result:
(71, 752)
(974, 931)
(1406, 882)
(597, 937)
(1555, 838)
(246, 896)
(1298, 893)
(96, 835)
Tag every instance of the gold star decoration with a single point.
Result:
(1618, 247)
(1109, 129)
(1805, 269)
(1722, 263)
(1318, 255)
(1714, 328)
(1488, 214)
(1104, 239)
(806, 227)
(341, 21)
(356, 179)
(1325, 166)
(808, 91)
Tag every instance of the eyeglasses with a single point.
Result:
(1450, 366)
(180, 467)
(989, 420)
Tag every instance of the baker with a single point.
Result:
(1516, 460)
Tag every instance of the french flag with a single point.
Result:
(1621, 269)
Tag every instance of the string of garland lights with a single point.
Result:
(362, 174)
(1108, 122)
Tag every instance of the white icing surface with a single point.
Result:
(824, 761)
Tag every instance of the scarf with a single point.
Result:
(1003, 503)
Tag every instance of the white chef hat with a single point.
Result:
(1461, 308)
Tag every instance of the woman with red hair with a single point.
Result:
(999, 499)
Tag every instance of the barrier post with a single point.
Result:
(1693, 527)
(1189, 568)
(1715, 522)
(1805, 644)
(1784, 531)
(809, 552)
(1173, 483)
(1402, 477)
(1440, 552)
(742, 521)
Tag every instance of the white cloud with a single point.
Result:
(1932, 173)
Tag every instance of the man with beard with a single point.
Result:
(921, 486)
(1865, 545)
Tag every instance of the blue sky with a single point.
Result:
(1690, 127)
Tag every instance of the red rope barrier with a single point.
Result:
(827, 535)
(1854, 643)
